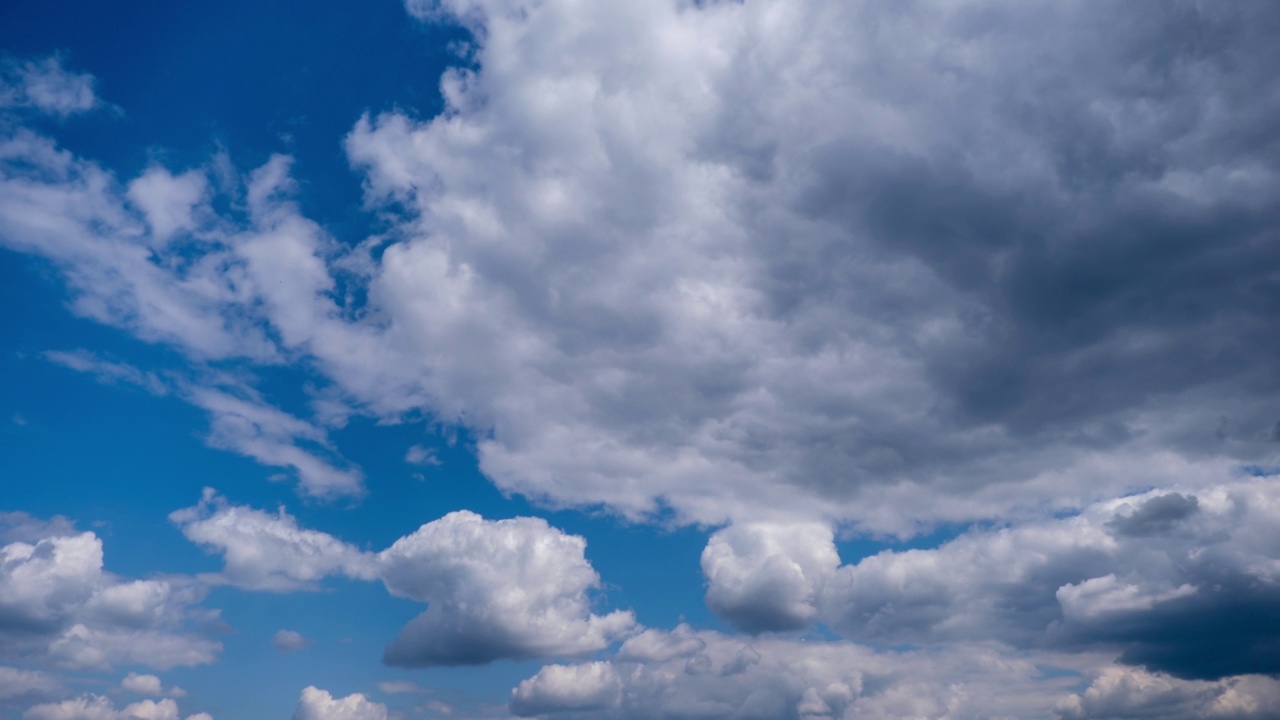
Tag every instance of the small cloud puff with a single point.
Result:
(317, 704)
(290, 641)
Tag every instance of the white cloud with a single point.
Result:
(1131, 692)
(317, 704)
(756, 261)
(142, 684)
(168, 201)
(58, 605)
(290, 641)
(514, 588)
(567, 688)
(45, 86)
(1155, 576)
(268, 552)
(97, 707)
(715, 676)
(272, 437)
(506, 588)
(767, 576)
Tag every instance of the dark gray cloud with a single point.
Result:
(1156, 515)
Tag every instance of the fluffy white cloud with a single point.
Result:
(567, 688)
(506, 588)
(767, 576)
(1134, 693)
(142, 684)
(514, 588)
(46, 86)
(317, 704)
(59, 605)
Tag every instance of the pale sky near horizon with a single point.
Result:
(664, 359)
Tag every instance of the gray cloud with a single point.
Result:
(755, 261)
(1178, 583)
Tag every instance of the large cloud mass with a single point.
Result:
(792, 267)
(757, 260)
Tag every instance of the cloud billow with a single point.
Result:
(755, 261)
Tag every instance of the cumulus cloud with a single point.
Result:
(317, 704)
(1162, 578)
(141, 684)
(515, 588)
(58, 605)
(767, 576)
(689, 674)
(507, 588)
(1134, 693)
(757, 261)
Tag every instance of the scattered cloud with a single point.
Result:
(515, 588)
(290, 641)
(142, 684)
(58, 606)
(261, 551)
(317, 704)
(97, 707)
(46, 86)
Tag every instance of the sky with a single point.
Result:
(708, 359)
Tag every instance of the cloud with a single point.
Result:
(757, 261)
(241, 421)
(748, 267)
(272, 437)
(141, 684)
(44, 85)
(97, 707)
(18, 683)
(514, 588)
(290, 641)
(1129, 692)
(317, 704)
(58, 605)
(767, 576)
(268, 552)
(1162, 578)
(712, 676)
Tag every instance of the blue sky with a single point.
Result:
(491, 358)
